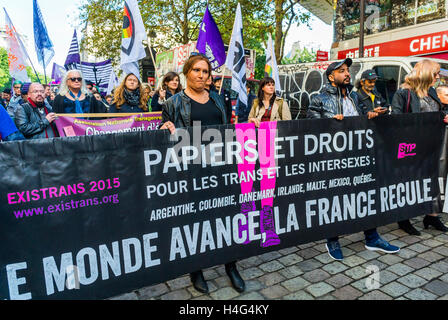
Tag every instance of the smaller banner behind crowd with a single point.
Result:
(92, 217)
(71, 127)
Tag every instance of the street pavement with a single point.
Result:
(306, 272)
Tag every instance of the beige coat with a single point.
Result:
(280, 111)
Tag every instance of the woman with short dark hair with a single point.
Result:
(192, 106)
(170, 86)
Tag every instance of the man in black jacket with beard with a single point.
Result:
(337, 101)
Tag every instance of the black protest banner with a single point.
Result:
(93, 217)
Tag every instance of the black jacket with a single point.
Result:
(31, 123)
(155, 105)
(329, 102)
(95, 105)
(227, 103)
(400, 101)
(366, 104)
(177, 109)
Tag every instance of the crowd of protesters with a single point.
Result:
(29, 113)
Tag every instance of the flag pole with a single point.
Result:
(222, 78)
(152, 57)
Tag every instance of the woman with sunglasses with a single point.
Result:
(195, 105)
(74, 98)
(129, 97)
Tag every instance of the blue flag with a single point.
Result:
(210, 41)
(44, 46)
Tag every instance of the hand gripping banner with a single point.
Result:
(92, 217)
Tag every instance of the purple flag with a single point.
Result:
(210, 41)
(58, 73)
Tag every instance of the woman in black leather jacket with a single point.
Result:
(193, 106)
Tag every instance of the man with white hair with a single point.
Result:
(74, 97)
(33, 118)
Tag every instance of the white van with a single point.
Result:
(301, 82)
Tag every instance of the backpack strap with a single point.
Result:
(408, 101)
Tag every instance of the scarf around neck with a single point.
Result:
(132, 97)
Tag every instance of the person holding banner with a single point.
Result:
(129, 97)
(268, 107)
(186, 108)
(170, 86)
(73, 97)
(417, 94)
(34, 119)
(337, 100)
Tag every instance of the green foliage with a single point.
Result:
(5, 77)
(259, 66)
(302, 56)
(174, 22)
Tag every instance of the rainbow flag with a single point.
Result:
(127, 24)
(271, 68)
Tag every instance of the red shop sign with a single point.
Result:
(415, 46)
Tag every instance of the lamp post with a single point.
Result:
(361, 27)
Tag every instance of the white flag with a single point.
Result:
(236, 59)
(113, 82)
(16, 60)
(271, 69)
(132, 49)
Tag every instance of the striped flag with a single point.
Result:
(99, 73)
(73, 57)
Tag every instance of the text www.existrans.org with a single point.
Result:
(66, 206)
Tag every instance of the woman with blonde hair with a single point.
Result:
(147, 96)
(417, 94)
(129, 97)
(73, 96)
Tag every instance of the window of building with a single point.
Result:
(388, 81)
(383, 15)
(429, 10)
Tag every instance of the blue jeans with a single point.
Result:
(371, 236)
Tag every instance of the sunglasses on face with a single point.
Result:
(194, 54)
(75, 79)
